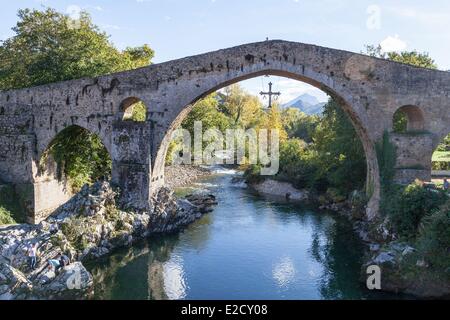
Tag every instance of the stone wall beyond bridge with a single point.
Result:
(370, 90)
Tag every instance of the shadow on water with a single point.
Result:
(248, 248)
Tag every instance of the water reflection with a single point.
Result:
(174, 279)
(248, 248)
(284, 272)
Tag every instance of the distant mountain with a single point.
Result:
(307, 104)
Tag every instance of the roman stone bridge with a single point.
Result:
(370, 90)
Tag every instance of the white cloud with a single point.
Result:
(391, 44)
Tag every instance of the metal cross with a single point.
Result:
(270, 94)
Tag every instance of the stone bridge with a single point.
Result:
(370, 90)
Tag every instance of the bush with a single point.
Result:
(81, 155)
(433, 243)
(10, 209)
(407, 206)
(5, 217)
(253, 174)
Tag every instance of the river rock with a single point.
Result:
(73, 281)
(384, 257)
(183, 175)
(280, 189)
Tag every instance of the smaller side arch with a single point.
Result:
(133, 109)
(408, 118)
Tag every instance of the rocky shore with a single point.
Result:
(177, 176)
(89, 226)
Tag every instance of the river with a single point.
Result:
(248, 248)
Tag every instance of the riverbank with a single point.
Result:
(88, 227)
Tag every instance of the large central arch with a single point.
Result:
(319, 81)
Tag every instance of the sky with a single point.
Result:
(179, 28)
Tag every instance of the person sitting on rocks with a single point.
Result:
(64, 261)
(53, 228)
(446, 185)
(54, 264)
(58, 263)
(32, 255)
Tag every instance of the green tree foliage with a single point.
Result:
(414, 58)
(434, 238)
(233, 109)
(296, 164)
(410, 206)
(386, 154)
(322, 153)
(81, 156)
(298, 124)
(138, 112)
(241, 107)
(442, 154)
(10, 209)
(445, 145)
(338, 151)
(400, 122)
(208, 111)
(5, 217)
(49, 46)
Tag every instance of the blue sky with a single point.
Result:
(178, 28)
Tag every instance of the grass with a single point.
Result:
(441, 156)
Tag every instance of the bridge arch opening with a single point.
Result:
(133, 109)
(408, 119)
(75, 157)
(371, 164)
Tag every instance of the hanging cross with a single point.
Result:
(270, 94)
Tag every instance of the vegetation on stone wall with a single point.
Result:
(416, 214)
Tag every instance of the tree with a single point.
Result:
(243, 108)
(48, 47)
(207, 111)
(414, 57)
(338, 151)
(272, 120)
(298, 124)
